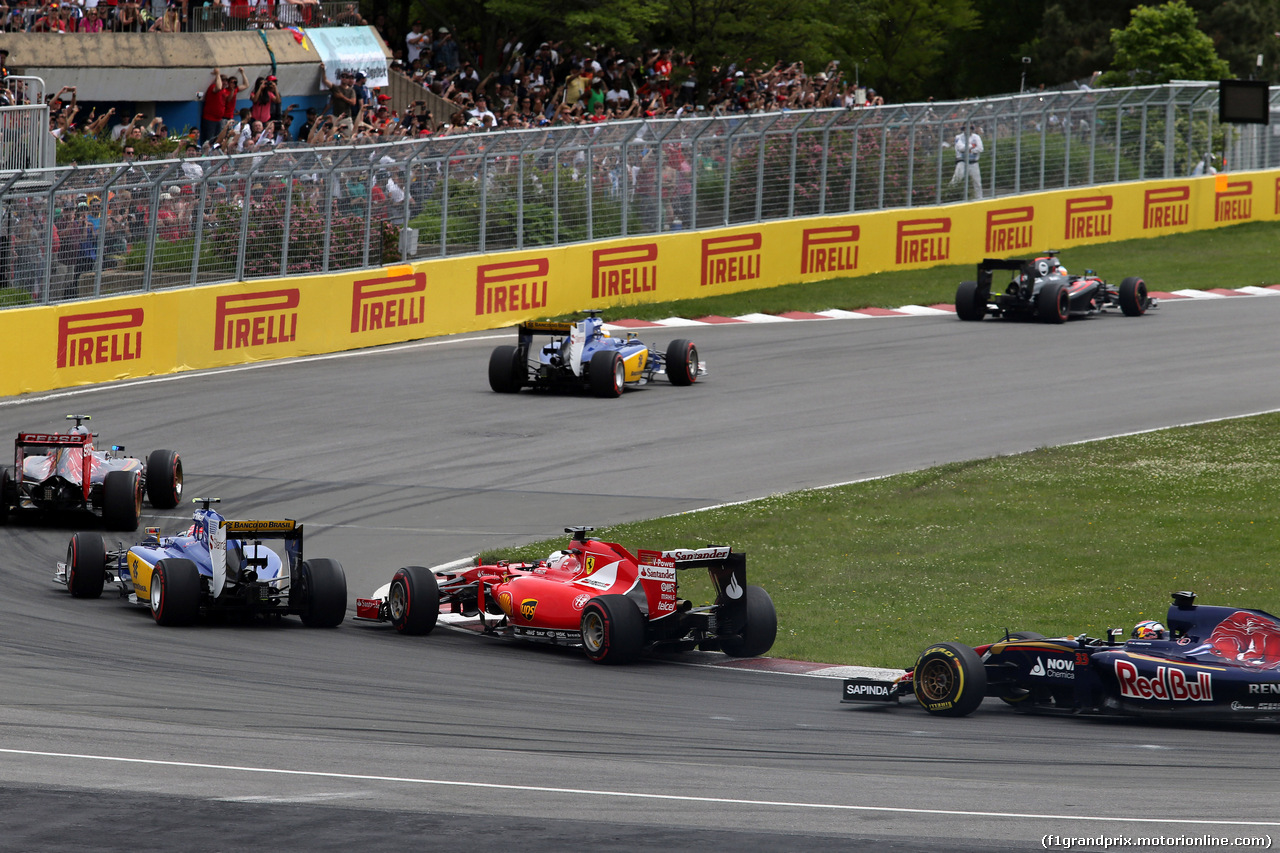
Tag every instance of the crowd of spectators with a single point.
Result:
(169, 16)
(561, 84)
(552, 85)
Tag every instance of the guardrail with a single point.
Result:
(136, 227)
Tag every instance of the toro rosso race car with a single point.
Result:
(58, 472)
(596, 595)
(1041, 288)
(585, 355)
(1209, 663)
(216, 566)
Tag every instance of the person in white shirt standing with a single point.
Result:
(968, 147)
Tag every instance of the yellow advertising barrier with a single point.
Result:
(57, 346)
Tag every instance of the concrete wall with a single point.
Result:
(160, 67)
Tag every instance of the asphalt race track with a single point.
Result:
(116, 734)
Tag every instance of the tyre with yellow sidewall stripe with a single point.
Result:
(949, 680)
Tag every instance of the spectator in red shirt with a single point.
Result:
(211, 112)
(230, 91)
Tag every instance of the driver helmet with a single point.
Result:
(562, 560)
(79, 429)
(1149, 630)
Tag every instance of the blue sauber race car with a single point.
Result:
(1210, 663)
(216, 566)
(585, 355)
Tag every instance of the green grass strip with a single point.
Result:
(1058, 540)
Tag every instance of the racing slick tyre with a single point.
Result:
(682, 362)
(6, 483)
(612, 629)
(508, 371)
(1133, 297)
(1018, 697)
(413, 602)
(86, 565)
(949, 680)
(175, 592)
(1053, 303)
(324, 604)
(122, 499)
(607, 374)
(760, 631)
(164, 479)
(970, 304)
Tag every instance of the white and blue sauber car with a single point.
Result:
(216, 565)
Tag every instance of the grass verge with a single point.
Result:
(1236, 256)
(1059, 540)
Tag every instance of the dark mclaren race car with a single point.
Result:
(65, 472)
(585, 355)
(596, 595)
(1041, 288)
(1213, 663)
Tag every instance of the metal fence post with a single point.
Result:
(244, 220)
(368, 216)
(286, 226)
(103, 218)
(484, 199)
(48, 234)
(153, 224)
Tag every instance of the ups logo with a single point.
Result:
(527, 608)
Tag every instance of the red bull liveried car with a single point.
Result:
(596, 595)
(585, 355)
(1042, 289)
(65, 472)
(1211, 663)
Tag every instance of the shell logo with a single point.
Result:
(504, 601)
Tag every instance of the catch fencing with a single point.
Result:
(73, 233)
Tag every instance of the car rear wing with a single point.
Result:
(50, 439)
(530, 328)
(727, 569)
(287, 529)
(989, 265)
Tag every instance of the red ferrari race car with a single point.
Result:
(596, 595)
(57, 472)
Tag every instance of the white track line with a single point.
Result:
(240, 368)
(586, 792)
